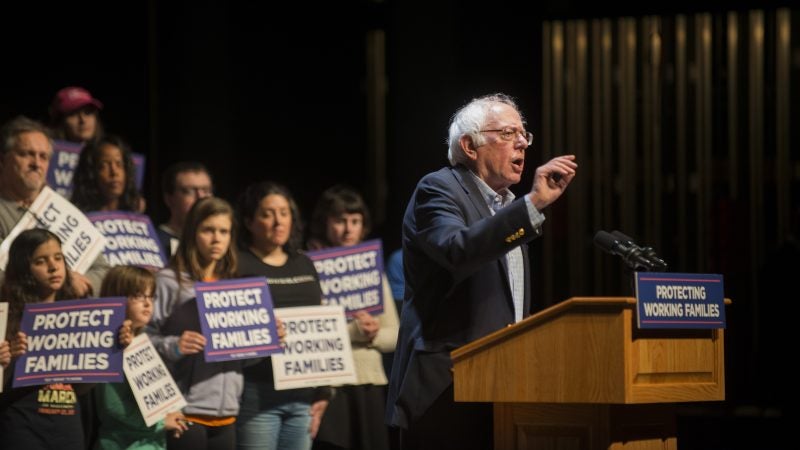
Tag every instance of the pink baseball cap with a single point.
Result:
(72, 98)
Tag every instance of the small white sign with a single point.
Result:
(3, 323)
(153, 387)
(81, 242)
(317, 351)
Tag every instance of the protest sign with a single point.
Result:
(153, 387)
(62, 166)
(81, 242)
(351, 276)
(317, 351)
(71, 341)
(236, 319)
(131, 239)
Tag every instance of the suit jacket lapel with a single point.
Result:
(464, 178)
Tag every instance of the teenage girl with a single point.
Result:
(211, 390)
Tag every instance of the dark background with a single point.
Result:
(257, 93)
(277, 91)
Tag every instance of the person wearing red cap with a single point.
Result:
(74, 115)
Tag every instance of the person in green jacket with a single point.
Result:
(121, 425)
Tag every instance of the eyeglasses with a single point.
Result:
(195, 191)
(141, 298)
(511, 133)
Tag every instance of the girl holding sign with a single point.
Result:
(211, 390)
(119, 426)
(355, 416)
(270, 240)
(36, 417)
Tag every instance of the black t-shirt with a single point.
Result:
(40, 417)
(295, 283)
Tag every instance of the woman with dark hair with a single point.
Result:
(105, 178)
(340, 218)
(355, 416)
(211, 390)
(30, 417)
(269, 246)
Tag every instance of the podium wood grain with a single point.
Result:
(581, 373)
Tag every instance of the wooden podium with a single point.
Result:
(581, 375)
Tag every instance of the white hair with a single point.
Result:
(469, 120)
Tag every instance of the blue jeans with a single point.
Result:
(272, 420)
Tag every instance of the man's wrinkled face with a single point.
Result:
(25, 166)
(500, 161)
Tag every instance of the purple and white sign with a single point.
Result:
(680, 300)
(131, 239)
(65, 158)
(351, 276)
(71, 341)
(62, 166)
(236, 319)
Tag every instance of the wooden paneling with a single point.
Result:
(584, 427)
(682, 124)
(587, 350)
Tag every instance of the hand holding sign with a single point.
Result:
(81, 285)
(367, 324)
(191, 342)
(19, 344)
(125, 333)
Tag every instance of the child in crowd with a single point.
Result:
(46, 416)
(212, 390)
(120, 426)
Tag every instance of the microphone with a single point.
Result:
(648, 252)
(630, 254)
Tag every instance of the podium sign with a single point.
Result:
(679, 300)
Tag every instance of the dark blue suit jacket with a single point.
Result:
(457, 287)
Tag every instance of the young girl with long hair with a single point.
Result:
(212, 390)
(46, 416)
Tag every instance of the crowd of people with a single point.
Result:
(229, 404)
(466, 275)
